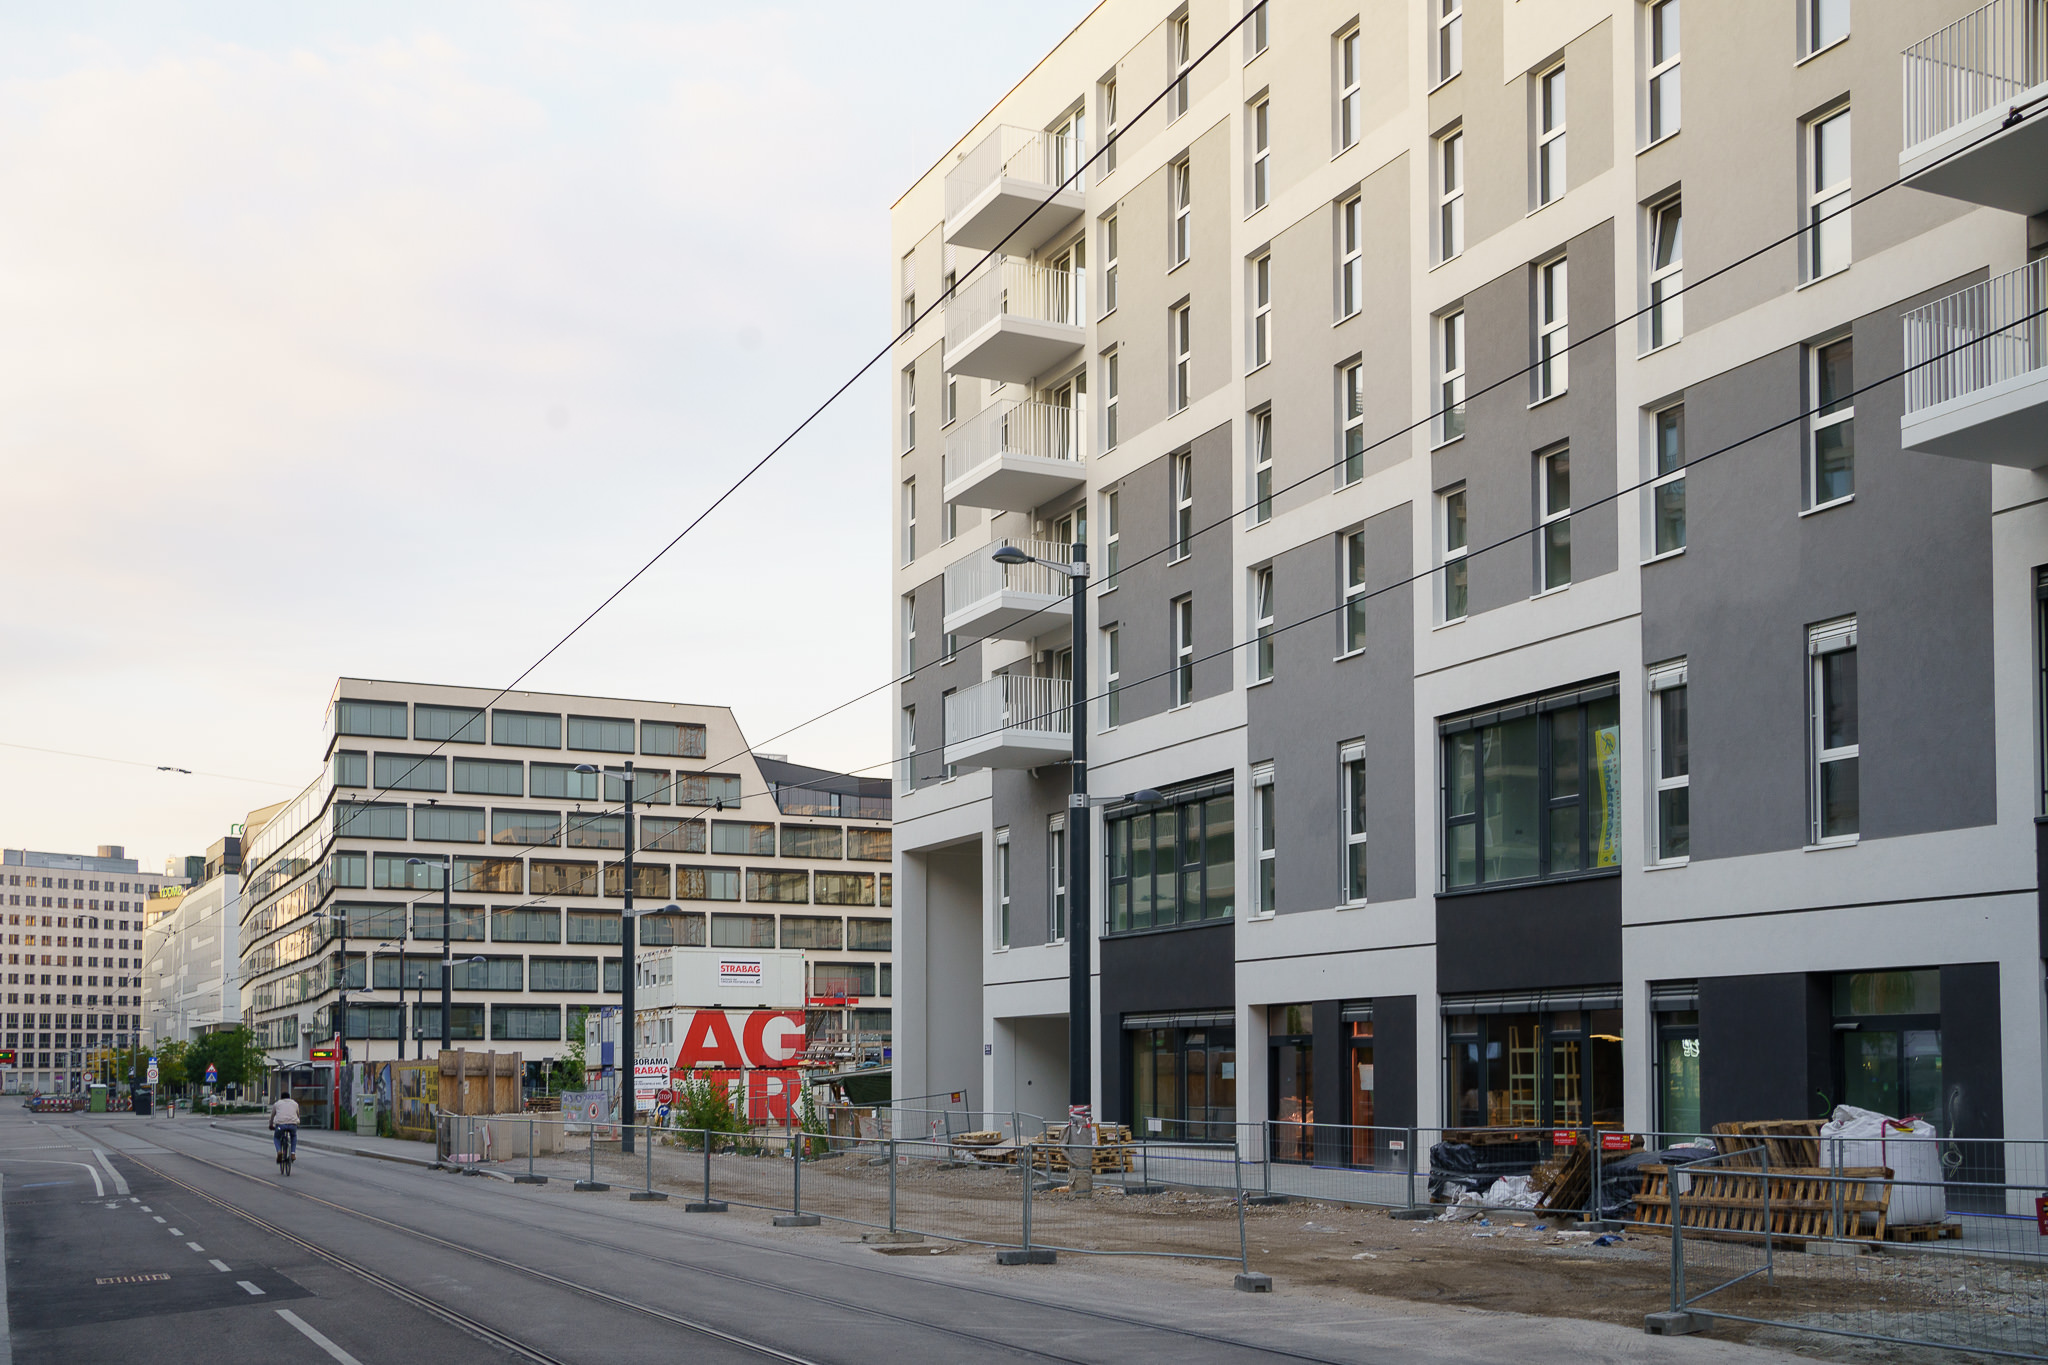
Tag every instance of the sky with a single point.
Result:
(386, 340)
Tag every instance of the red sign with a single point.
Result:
(831, 1001)
(326, 1053)
(664, 1097)
(1616, 1142)
(1563, 1137)
(2041, 1214)
(770, 1038)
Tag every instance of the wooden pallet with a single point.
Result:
(1790, 1143)
(1112, 1152)
(1923, 1232)
(1796, 1204)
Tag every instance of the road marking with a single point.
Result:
(145, 1208)
(196, 1247)
(45, 1184)
(218, 1265)
(159, 1218)
(120, 1182)
(134, 1200)
(314, 1336)
(250, 1287)
(133, 1279)
(177, 1232)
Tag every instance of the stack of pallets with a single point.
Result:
(1794, 1203)
(1112, 1150)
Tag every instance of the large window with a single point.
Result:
(448, 824)
(374, 920)
(1667, 273)
(465, 1022)
(492, 876)
(813, 931)
(526, 729)
(743, 838)
(593, 926)
(1550, 180)
(378, 719)
(867, 845)
(562, 974)
(813, 841)
(604, 733)
(525, 1023)
(764, 884)
(845, 888)
(1831, 438)
(1667, 494)
(651, 786)
(351, 768)
(526, 926)
(671, 740)
(596, 831)
(1183, 1076)
(682, 931)
(1351, 781)
(457, 724)
(843, 980)
(1671, 763)
(1539, 1062)
(670, 835)
(743, 931)
(1664, 45)
(1835, 746)
(466, 923)
(1888, 1027)
(489, 777)
(411, 773)
(868, 935)
(561, 782)
(527, 828)
(1827, 194)
(1172, 864)
(708, 789)
(564, 879)
(650, 880)
(707, 883)
(1533, 790)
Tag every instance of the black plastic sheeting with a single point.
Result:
(1457, 1167)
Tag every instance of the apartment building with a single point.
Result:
(516, 802)
(191, 954)
(63, 1002)
(1418, 498)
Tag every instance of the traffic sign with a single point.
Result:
(152, 1071)
(7, 1057)
(212, 1074)
(664, 1097)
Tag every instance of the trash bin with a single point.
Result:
(98, 1104)
(142, 1101)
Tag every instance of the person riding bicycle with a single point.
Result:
(284, 1123)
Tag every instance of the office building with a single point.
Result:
(191, 960)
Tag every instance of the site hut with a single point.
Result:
(414, 772)
(74, 960)
(1299, 360)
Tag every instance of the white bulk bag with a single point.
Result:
(1861, 1137)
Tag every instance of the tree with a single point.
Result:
(568, 1074)
(170, 1064)
(235, 1053)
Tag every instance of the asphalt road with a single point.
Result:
(163, 1242)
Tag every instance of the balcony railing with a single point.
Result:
(1979, 63)
(1010, 702)
(1044, 431)
(1028, 154)
(978, 577)
(1983, 335)
(1016, 288)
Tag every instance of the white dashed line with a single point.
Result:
(145, 1208)
(250, 1287)
(318, 1340)
(196, 1247)
(177, 1232)
(218, 1265)
(159, 1218)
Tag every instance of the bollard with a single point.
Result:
(1248, 1280)
(529, 1178)
(707, 1204)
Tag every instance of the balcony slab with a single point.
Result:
(2004, 423)
(1012, 615)
(1006, 205)
(1015, 349)
(1015, 483)
(2004, 168)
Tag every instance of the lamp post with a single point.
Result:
(629, 1031)
(447, 975)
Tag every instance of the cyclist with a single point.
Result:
(284, 1122)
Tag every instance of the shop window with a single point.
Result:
(1183, 1076)
(1535, 1067)
(1290, 1080)
(1888, 1043)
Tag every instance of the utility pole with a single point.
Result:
(1080, 921)
(629, 1028)
(447, 965)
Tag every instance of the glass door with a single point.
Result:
(1359, 1075)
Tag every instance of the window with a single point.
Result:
(1667, 273)
(459, 724)
(868, 935)
(909, 520)
(1262, 310)
(743, 838)
(1262, 154)
(1831, 438)
(1351, 401)
(707, 884)
(1663, 100)
(1554, 509)
(1450, 204)
(1450, 38)
(526, 828)
(561, 782)
(562, 974)
(1450, 330)
(351, 768)
(867, 845)
(1671, 763)
(1832, 649)
(1351, 769)
(1112, 678)
(1109, 142)
(1181, 190)
(1002, 871)
(1667, 494)
(1056, 876)
(526, 926)
(2041, 653)
(525, 729)
(596, 831)
(909, 407)
(1262, 624)
(1827, 198)
(1111, 386)
(1183, 352)
(1347, 91)
(564, 879)
(949, 396)
(1827, 23)
(592, 926)
(909, 634)
(671, 741)
(812, 931)
(1550, 136)
(525, 1023)
(650, 881)
(1260, 37)
(844, 888)
(708, 789)
(1181, 54)
(1553, 330)
(411, 773)
(842, 980)
(1263, 840)
(490, 777)
(1353, 638)
(448, 824)
(601, 733)
(743, 931)
(378, 719)
(813, 841)
(490, 876)
(909, 291)
(1183, 505)
(1260, 435)
(1183, 609)
(1109, 255)
(672, 836)
(350, 870)
(1455, 582)
(907, 742)
(1172, 864)
(1532, 791)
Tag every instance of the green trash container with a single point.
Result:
(98, 1103)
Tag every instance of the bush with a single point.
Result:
(704, 1105)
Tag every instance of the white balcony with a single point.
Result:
(1011, 721)
(1009, 174)
(1962, 83)
(1015, 456)
(985, 599)
(1014, 321)
(1980, 387)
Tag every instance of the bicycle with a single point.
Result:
(287, 1139)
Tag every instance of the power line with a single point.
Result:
(140, 763)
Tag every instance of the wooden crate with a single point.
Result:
(1801, 1202)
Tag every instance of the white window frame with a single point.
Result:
(1351, 420)
(1351, 808)
(949, 522)
(1262, 624)
(1665, 42)
(1262, 152)
(1180, 196)
(1349, 100)
(1668, 478)
(1810, 20)
(906, 740)
(1554, 519)
(948, 770)
(910, 521)
(1549, 181)
(1553, 329)
(1450, 359)
(1667, 688)
(909, 291)
(1112, 540)
(1449, 51)
(909, 408)
(1180, 53)
(1261, 37)
(1112, 678)
(1351, 568)
(1350, 257)
(1822, 642)
(1828, 247)
(1265, 865)
(909, 634)
(1259, 451)
(1450, 211)
(1818, 422)
(1667, 273)
(949, 401)
(1183, 626)
(1002, 891)
(1454, 534)
(1183, 322)
(1056, 878)
(1109, 142)
(1112, 385)
(1182, 472)
(1109, 257)
(1262, 310)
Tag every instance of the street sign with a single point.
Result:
(152, 1071)
(7, 1057)
(320, 1054)
(212, 1074)
(664, 1098)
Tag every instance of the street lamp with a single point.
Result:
(447, 982)
(629, 1035)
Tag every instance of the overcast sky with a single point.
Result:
(385, 340)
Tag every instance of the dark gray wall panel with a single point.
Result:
(1972, 1064)
(926, 690)
(1176, 969)
(1530, 937)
